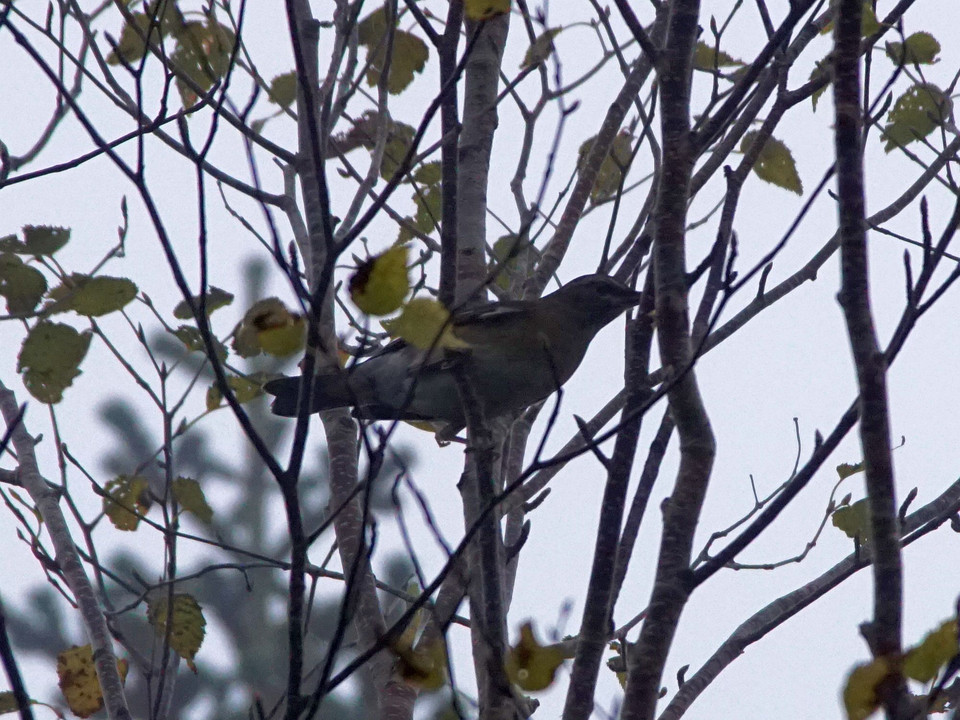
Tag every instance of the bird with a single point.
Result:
(513, 353)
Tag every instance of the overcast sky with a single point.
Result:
(791, 362)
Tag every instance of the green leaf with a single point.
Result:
(429, 202)
(190, 495)
(915, 114)
(131, 46)
(409, 54)
(820, 72)
(921, 48)
(868, 22)
(22, 286)
(193, 341)
(91, 296)
(168, 15)
(216, 299)
(541, 48)
(854, 520)
(405, 234)
(774, 164)
(398, 143)
(429, 173)
(37, 240)
(845, 470)
(708, 59)
(283, 89)
(50, 359)
(128, 499)
(8, 702)
(362, 133)
(923, 662)
(614, 165)
(485, 9)
(860, 691)
(244, 390)
(188, 624)
(202, 54)
(513, 256)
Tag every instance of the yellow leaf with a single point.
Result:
(128, 500)
(424, 323)
(78, 680)
(923, 662)
(286, 340)
(485, 9)
(380, 284)
(860, 692)
(854, 520)
(188, 627)
(268, 326)
(531, 665)
(618, 664)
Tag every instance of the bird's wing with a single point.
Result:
(408, 360)
(492, 313)
(494, 324)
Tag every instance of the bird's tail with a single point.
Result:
(329, 391)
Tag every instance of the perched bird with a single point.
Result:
(517, 353)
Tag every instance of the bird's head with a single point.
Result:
(596, 299)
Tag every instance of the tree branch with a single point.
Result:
(884, 633)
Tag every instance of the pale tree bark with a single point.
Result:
(47, 501)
